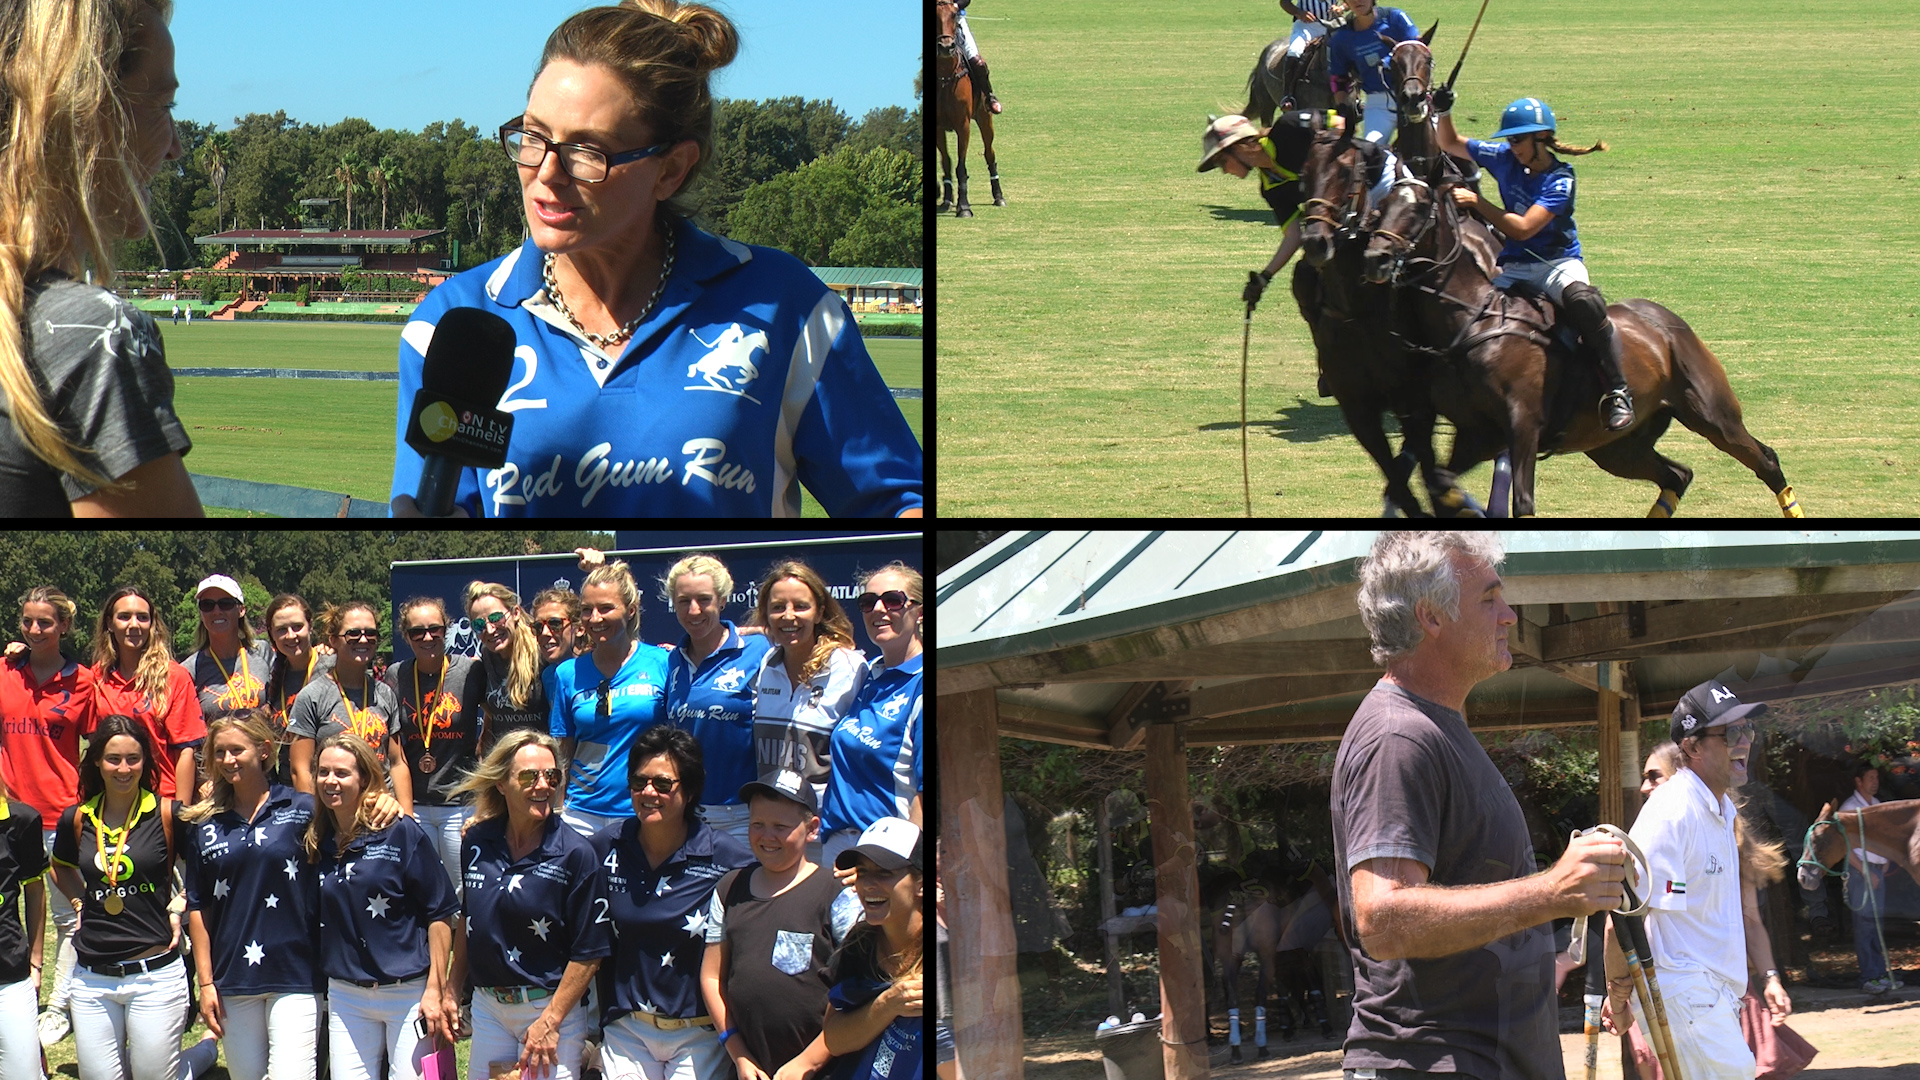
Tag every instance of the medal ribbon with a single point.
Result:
(421, 718)
(111, 867)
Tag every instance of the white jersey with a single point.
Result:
(1319, 9)
(1857, 801)
(1694, 870)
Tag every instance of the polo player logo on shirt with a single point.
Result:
(243, 691)
(891, 710)
(730, 679)
(729, 367)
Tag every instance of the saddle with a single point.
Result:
(1570, 396)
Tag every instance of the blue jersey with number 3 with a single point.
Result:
(748, 380)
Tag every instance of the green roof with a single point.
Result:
(869, 275)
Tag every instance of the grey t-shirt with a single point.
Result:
(319, 711)
(1412, 782)
(105, 381)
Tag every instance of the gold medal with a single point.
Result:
(114, 904)
(427, 764)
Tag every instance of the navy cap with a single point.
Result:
(787, 784)
(1710, 705)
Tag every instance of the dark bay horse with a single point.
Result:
(960, 105)
(1368, 369)
(1891, 831)
(1276, 84)
(1410, 78)
(1504, 381)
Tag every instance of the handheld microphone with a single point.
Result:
(455, 422)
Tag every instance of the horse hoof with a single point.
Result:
(1234, 1056)
(963, 212)
(1000, 201)
(1260, 1054)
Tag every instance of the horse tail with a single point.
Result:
(1259, 102)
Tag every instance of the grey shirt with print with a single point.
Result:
(103, 375)
(1412, 782)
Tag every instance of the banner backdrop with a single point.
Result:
(747, 555)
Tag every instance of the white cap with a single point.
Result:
(890, 842)
(222, 582)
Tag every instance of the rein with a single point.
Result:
(1807, 859)
(1465, 339)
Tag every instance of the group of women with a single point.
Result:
(363, 855)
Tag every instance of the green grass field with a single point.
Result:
(1759, 184)
(335, 436)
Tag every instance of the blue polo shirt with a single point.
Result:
(527, 918)
(597, 779)
(376, 900)
(715, 703)
(660, 916)
(1363, 52)
(875, 753)
(252, 885)
(748, 380)
(1521, 191)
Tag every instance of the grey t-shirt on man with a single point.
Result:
(1412, 782)
(104, 379)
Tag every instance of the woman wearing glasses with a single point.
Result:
(875, 755)
(536, 928)
(439, 696)
(710, 684)
(660, 370)
(349, 699)
(516, 695)
(602, 701)
(658, 872)
(228, 664)
(138, 678)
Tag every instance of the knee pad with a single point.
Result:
(1585, 307)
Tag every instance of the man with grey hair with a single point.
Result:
(1452, 952)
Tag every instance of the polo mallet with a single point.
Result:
(1578, 947)
(1596, 994)
(1246, 342)
(1659, 1033)
(1455, 73)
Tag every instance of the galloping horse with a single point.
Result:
(1410, 78)
(1890, 830)
(1306, 88)
(960, 105)
(1504, 380)
(1368, 369)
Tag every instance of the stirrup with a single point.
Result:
(1618, 398)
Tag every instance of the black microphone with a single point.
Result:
(455, 422)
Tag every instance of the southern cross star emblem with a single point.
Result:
(255, 953)
(513, 956)
(696, 924)
(514, 882)
(220, 889)
(666, 959)
(377, 907)
(260, 834)
(292, 871)
(273, 901)
(541, 926)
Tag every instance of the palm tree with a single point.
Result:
(214, 154)
(382, 176)
(347, 176)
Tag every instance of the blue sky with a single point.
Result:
(406, 63)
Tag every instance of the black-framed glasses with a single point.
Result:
(586, 164)
(424, 633)
(223, 603)
(894, 600)
(662, 784)
(360, 634)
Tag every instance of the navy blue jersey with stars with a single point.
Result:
(714, 702)
(376, 900)
(660, 916)
(252, 886)
(527, 917)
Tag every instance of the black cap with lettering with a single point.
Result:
(1710, 705)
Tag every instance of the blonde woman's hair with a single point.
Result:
(374, 779)
(914, 581)
(662, 51)
(255, 725)
(620, 576)
(831, 629)
(66, 154)
(244, 628)
(155, 668)
(523, 653)
(497, 768)
(63, 608)
(696, 565)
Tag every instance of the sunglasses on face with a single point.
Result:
(529, 777)
(360, 635)
(224, 603)
(894, 600)
(553, 626)
(662, 784)
(1733, 733)
(422, 633)
(494, 618)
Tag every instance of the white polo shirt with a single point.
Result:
(1857, 801)
(1695, 870)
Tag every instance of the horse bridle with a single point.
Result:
(948, 46)
(1806, 848)
(1425, 96)
(1356, 198)
(1464, 339)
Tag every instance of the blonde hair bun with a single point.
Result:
(708, 33)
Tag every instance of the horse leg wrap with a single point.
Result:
(1668, 502)
(1789, 505)
(1318, 1003)
(982, 82)
(1233, 1028)
(1260, 1026)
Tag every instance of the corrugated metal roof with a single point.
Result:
(301, 236)
(884, 276)
(1034, 591)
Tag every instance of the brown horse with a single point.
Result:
(1505, 382)
(1410, 78)
(1277, 83)
(960, 106)
(1890, 830)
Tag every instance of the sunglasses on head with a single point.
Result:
(222, 603)
(894, 599)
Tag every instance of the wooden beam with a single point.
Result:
(986, 984)
(1330, 724)
(1279, 690)
(1122, 732)
(1051, 725)
(1821, 680)
(1183, 996)
(1696, 619)
(1897, 624)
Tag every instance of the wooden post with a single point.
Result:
(1105, 818)
(986, 984)
(1631, 764)
(1608, 674)
(1183, 998)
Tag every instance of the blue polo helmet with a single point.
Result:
(1527, 114)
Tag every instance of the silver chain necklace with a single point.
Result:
(625, 331)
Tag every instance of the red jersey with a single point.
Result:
(182, 726)
(43, 723)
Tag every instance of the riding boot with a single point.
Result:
(1289, 65)
(1588, 312)
(977, 68)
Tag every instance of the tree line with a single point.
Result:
(837, 191)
